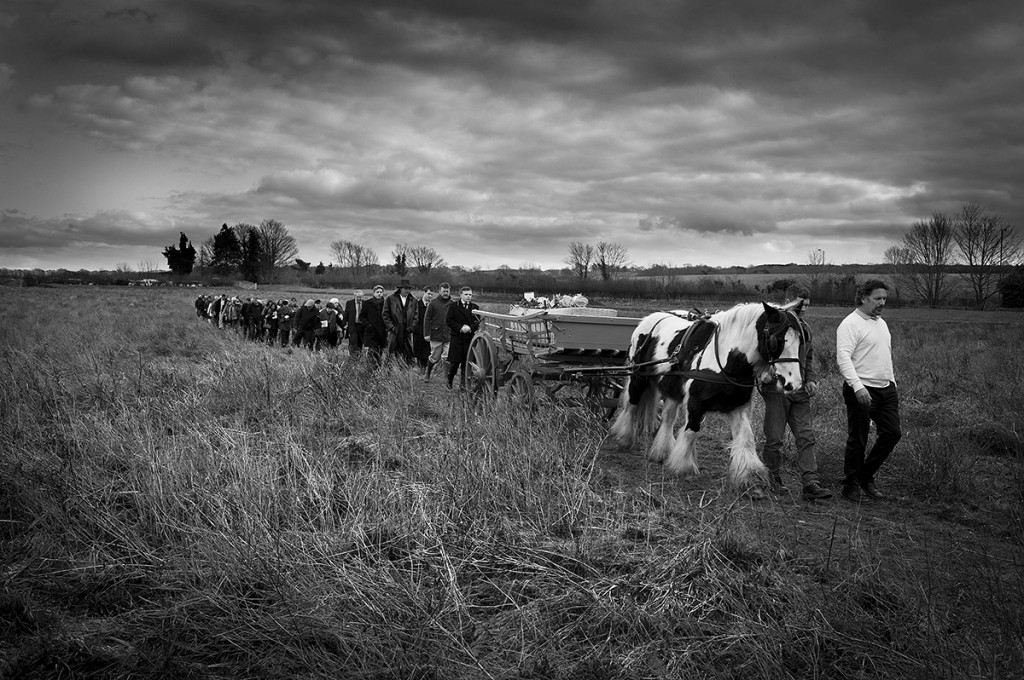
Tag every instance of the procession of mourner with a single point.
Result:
(674, 360)
(426, 331)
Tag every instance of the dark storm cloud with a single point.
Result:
(110, 228)
(543, 121)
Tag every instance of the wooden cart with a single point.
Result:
(550, 350)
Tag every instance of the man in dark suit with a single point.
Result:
(353, 326)
(375, 334)
(462, 323)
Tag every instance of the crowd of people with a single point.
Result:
(426, 331)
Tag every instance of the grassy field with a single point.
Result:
(178, 503)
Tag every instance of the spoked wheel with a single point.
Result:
(603, 396)
(482, 369)
(520, 390)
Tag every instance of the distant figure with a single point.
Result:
(353, 324)
(462, 323)
(284, 324)
(400, 321)
(375, 334)
(327, 333)
(864, 356)
(435, 328)
(271, 322)
(420, 342)
(305, 323)
(201, 304)
(255, 319)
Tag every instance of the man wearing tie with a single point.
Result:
(353, 326)
(462, 323)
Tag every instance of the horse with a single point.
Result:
(707, 363)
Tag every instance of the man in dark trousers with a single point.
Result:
(353, 325)
(305, 322)
(400, 319)
(420, 342)
(462, 323)
(435, 327)
(327, 333)
(375, 335)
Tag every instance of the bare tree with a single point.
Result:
(894, 259)
(425, 258)
(815, 270)
(205, 258)
(355, 257)
(579, 259)
(923, 257)
(399, 259)
(986, 244)
(278, 247)
(610, 258)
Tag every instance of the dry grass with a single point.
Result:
(178, 503)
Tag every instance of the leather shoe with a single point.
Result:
(871, 490)
(816, 492)
(851, 492)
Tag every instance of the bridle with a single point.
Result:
(771, 344)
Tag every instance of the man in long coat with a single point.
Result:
(375, 334)
(462, 323)
(400, 316)
(305, 322)
(353, 326)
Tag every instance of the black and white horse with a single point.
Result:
(707, 364)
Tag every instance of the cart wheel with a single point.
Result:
(603, 396)
(520, 390)
(482, 368)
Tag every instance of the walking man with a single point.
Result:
(435, 327)
(462, 323)
(864, 356)
(375, 333)
(794, 409)
(400, 317)
(421, 342)
(353, 323)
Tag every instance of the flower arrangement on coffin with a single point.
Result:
(556, 301)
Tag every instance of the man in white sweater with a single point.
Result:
(864, 355)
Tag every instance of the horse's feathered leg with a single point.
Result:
(623, 430)
(744, 464)
(683, 459)
(646, 416)
(665, 439)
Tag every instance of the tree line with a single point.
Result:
(947, 252)
(254, 252)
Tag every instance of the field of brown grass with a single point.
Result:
(177, 502)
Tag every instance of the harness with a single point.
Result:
(770, 341)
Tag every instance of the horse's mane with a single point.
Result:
(742, 313)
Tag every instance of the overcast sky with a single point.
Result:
(723, 133)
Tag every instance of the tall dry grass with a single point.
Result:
(177, 502)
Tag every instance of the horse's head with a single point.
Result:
(779, 337)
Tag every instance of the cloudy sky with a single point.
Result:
(720, 132)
